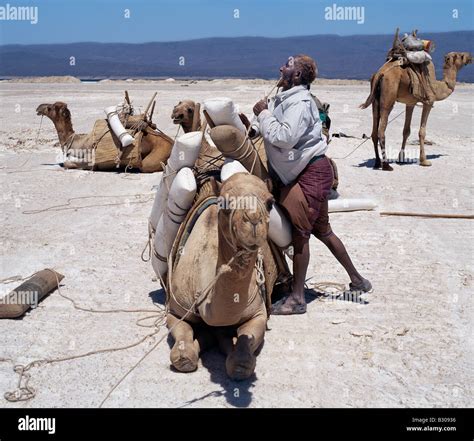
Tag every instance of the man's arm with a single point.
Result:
(287, 132)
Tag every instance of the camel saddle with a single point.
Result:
(422, 75)
(421, 82)
(207, 196)
(108, 148)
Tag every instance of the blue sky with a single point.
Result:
(66, 21)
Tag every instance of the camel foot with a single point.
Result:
(240, 365)
(387, 167)
(425, 163)
(377, 164)
(183, 357)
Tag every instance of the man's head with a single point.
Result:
(298, 70)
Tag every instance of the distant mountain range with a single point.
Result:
(348, 57)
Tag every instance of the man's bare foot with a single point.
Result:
(289, 305)
(363, 285)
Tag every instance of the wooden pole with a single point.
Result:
(395, 39)
(209, 119)
(152, 110)
(149, 104)
(427, 215)
(196, 117)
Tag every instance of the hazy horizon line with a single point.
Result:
(234, 37)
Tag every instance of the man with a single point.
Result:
(295, 148)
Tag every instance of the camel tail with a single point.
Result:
(374, 88)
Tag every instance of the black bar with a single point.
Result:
(241, 424)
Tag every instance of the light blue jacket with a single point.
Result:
(292, 132)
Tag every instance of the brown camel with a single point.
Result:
(392, 83)
(222, 291)
(184, 114)
(155, 145)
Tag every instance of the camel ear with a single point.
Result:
(65, 112)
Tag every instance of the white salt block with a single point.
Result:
(125, 138)
(343, 204)
(279, 229)
(184, 154)
(418, 57)
(181, 196)
(231, 167)
(223, 112)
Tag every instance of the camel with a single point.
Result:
(183, 114)
(155, 145)
(392, 83)
(187, 114)
(222, 292)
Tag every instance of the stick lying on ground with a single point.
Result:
(429, 215)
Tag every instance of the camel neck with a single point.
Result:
(233, 289)
(188, 129)
(446, 86)
(64, 129)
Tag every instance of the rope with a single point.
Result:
(25, 392)
(68, 206)
(31, 154)
(366, 139)
(12, 279)
(148, 244)
(327, 286)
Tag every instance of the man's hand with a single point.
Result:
(261, 105)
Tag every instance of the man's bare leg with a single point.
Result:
(339, 251)
(295, 302)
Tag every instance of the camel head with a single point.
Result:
(183, 114)
(244, 210)
(457, 59)
(55, 112)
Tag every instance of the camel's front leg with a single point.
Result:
(240, 363)
(184, 355)
(406, 132)
(422, 133)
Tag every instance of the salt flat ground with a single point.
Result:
(411, 345)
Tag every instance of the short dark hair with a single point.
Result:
(309, 70)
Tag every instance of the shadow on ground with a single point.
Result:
(158, 296)
(369, 163)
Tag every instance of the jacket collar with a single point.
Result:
(295, 90)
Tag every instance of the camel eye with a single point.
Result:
(269, 203)
(190, 110)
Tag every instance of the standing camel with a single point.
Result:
(392, 83)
